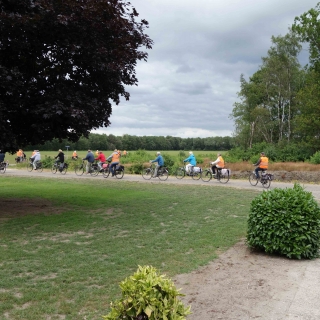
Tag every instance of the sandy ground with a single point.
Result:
(243, 284)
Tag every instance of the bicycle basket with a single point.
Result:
(270, 176)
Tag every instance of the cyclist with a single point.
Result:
(35, 159)
(262, 164)
(192, 162)
(90, 159)
(115, 159)
(102, 159)
(19, 156)
(218, 164)
(160, 161)
(2, 156)
(60, 160)
(74, 155)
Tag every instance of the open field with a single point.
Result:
(207, 156)
(66, 244)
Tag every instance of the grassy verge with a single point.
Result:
(65, 259)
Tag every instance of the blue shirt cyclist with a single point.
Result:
(160, 163)
(192, 162)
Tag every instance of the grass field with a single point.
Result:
(66, 245)
(206, 157)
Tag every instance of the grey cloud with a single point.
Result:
(190, 82)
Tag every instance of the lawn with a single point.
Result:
(66, 245)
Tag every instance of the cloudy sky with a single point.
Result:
(190, 82)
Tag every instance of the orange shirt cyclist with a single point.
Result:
(262, 164)
(115, 160)
(219, 164)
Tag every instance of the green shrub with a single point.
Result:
(315, 159)
(135, 168)
(286, 222)
(148, 296)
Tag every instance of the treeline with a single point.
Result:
(127, 142)
(280, 102)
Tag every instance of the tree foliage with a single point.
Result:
(127, 142)
(307, 26)
(62, 63)
(268, 103)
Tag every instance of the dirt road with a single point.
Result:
(233, 183)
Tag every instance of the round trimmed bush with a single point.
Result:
(286, 222)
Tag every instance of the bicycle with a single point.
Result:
(182, 172)
(222, 175)
(80, 169)
(56, 166)
(162, 173)
(3, 167)
(265, 179)
(39, 167)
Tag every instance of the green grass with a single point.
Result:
(66, 260)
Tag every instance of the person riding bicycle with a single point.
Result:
(192, 162)
(218, 164)
(60, 160)
(160, 161)
(74, 155)
(2, 156)
(90, 160)
(35, 159)
(262, 164)
(115, 159)
(102, 159)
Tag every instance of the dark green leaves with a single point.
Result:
(285, 221)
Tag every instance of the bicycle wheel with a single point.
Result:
(163, 174)
(223, 177)
(54, 169)
(147, 173)
(105, 172)
(266, 183)
(119, 174)
(64, 170)
(79, 170)
(94, 171)
(253, 179)
(39, 167)
(180, 173)
(196, 175)
(3, 168)
(206, 175)
(29, 167)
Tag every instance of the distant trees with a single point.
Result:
(62, 63)
(128, 142)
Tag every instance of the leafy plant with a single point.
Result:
(315, 159)
(285, 221)
(148, 295)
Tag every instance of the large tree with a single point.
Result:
(268, 103)
(62, 64)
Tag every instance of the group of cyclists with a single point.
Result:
(218, 164)
(114, 160)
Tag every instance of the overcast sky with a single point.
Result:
(190, 82)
